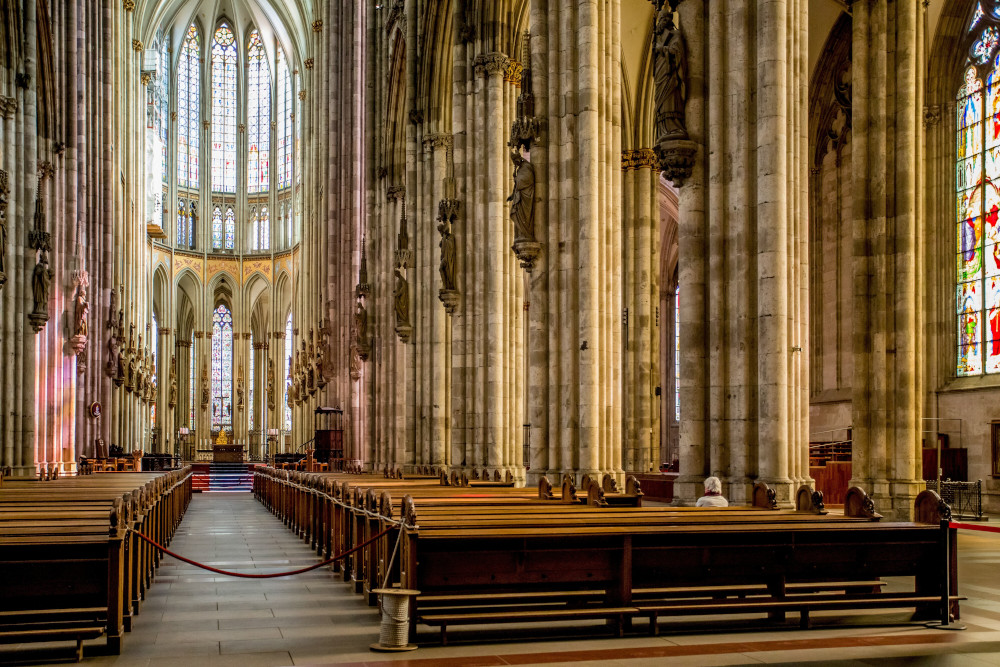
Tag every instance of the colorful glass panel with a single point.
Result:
(181, 222)
(224, 110)
(192, 219)
(977, 17)
(254, 229)
(217, 227)
(164, 76)
(258, 116)
(284, 120)
(977, 207)
(188, 106)
(222, 368)
(230, 228)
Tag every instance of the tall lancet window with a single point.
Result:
(230, 239)
(284, 121)
(188, 104)
(217, 227)
(258, 116)
(288, 372)
(164, 76)
(224, 110)
(222, 368)
(192, 377)
(977, 294)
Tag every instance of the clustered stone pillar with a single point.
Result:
(575, 58)
(642, 315)
(888, 221)
(743, 276)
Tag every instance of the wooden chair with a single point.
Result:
(133, 464)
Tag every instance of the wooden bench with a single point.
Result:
(70, 568)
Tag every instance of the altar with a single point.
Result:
(224, 452)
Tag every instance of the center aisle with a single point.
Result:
(204, 618)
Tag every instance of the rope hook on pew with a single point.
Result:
(259, 576)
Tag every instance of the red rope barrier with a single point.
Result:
(260, 576)
(975, 526)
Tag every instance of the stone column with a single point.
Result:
(887, 284)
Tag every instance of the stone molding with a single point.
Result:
(932, 115)
(8, 105)
(280, 335)
(199, 334)
(183, 343)
(145, 78)
(136, 45)
(302, 94)
(395, 192)
(128, 5)
(491, 64)
(438, 140)
(638, 158)
(309, 63)
(317, 25)
(676, 158)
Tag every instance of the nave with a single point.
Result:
(194, 617)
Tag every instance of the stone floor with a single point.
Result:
(193, 617)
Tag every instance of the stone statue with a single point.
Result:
(447, 267)
(239, 387)
(402, 300)
(361, 325)
(41, 279)
(522, 199)
(81, 310)
(270, 384)
(113, 308)
(669, 76)
(112, 365)
(122, 368)
(173, 381)
(204, 385)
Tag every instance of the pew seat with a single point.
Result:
(53, 625)
(616, 616)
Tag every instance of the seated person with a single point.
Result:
(713, 494)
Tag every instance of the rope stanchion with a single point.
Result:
(974, 526)
(259, 576)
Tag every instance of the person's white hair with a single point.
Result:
(713, 485)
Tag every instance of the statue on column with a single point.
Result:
(669, 77)
(401, 299)
(239, 388)
(173, 381)
(270, 384)
(522, 199)
(361, 331)
(113, 308)
(41, 280)
(673, 147)
(204, 385)
(447, 267)
(111, 367)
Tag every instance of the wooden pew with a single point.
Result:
(70, 568)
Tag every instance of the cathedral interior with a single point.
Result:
(516, 237)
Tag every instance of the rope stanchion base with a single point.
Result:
(395, 629)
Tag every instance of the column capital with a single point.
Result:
(199, 334)
(638, 158)
(8, 105)
(438, 140)
(395, 192)
(491, 64)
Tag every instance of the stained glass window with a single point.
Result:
(192, 224)
(188, 104)
(258, 116)
(217, 227)
(977, 185)
(230, 228)
(182, 223)
(164, 77)
(284, 120)
(224, 110)
(222, 368)
(288, 374)
(297, 122)
(252, 380)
